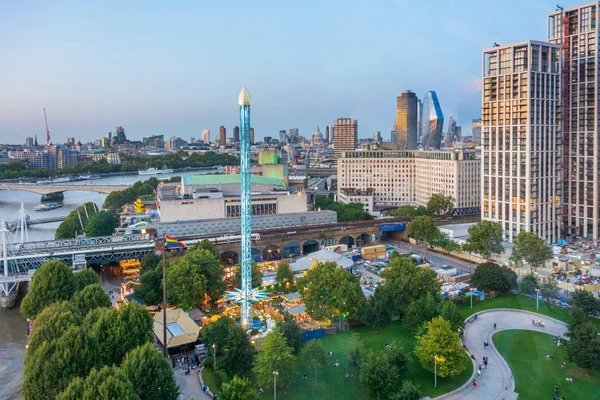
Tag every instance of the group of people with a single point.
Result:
(537, 323)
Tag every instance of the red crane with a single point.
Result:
(47, 129)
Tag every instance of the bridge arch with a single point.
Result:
(363, 239)
(271, 253)
(256, 255)
(310, 246)
(230, 257)
(328, 242)
(347, 240)
(54, 188)
(291, 249)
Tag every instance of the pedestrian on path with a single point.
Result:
(494, 326)
(479, 371)
(505, 387)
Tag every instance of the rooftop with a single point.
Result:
(228, 179)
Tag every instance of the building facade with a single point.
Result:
(206, 136)
(236, 133)
(476, 131)
(346, 135)
(251, 135)
(521, 176)
(386, 178)
(28, 142)
(432, 121)
(406, 120)
(222, 135)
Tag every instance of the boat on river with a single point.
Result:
(47, 207)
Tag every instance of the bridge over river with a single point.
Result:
(61, 187)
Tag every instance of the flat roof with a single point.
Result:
(227, 179)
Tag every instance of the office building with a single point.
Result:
(119, 137)
(44, 159)
(476, 131)
(192, 140)
(575, 29)
(66, 157)
(294, 131)
(251, 135)
(206, 136)
(28, 142)
(154, 141)
(406, 120)
(394, 136)
(346, 135)
(282, 136)
(432, 121)
(236, 134)
(377, 136)
(384, 178)
(222, 135)
(175, 143)
(329, 133)
(520, 139)
(419, 120)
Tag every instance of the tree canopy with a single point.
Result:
(423, 227)
(107, 383)
(422, 310)
(186, 285)
(584, 346)
(239, 389)
(378, 373)
(85, 277)
(585, 301)
(232, 345)
(439, 204)
(375, 312)
(74, 224)
(102, 223)
(345, 212)
(408, 391)
(314, 356)
(52, 282)
(291, 331)
(90, 297)
(284, 273)
(274, 355)
(405, 211)
(530, 249)
(493, 277)
(485, 238)
(442, 341)
(256, 276)
(150, 288)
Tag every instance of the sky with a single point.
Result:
(176, 67)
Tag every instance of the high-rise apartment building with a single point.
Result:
(222, 135)
(66, 157)
(236, 133)
(520, 139)
(419, 120)
(346, 135)
(329, 133)
(406, 120)
(251, 135)
(28, 142)
(575, 29)
(206, 136)
(377, 136)
(394, 136)
(432, 121)
(476, 131)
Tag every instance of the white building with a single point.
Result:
(521, 164)
(206, 136)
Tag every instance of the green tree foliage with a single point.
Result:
(239, 389)
(85, 277)
(115, 200)
(150, 374)
(423, 310)
(423, 227)
(442, 241)
(530, 249)
(577, 317)
(102, 223)
(528, 284)
(274, 355)
(284, 273)
(52, 282)
(378, 373)
(439, 204)
(405, 283)
(345, 212)
(328, 290)
(355, 351)
(408, 391)
(314, 356)
(493, 277)
(92, 296)
(397, 356)
(291, 331)
(421, 210)
(234, 349)
(485, 238)
(375, 312)
(107, 383)
(150, 288)
(585, 301)
(550, 288)
(584, 346)
(186, 285)
(50, 367)
(120, 331)
(150, 262)
(441, 340)
(256, 276)
(404, 211)
(208, 262)
(51, 323)
(72, 225)
(450, 312)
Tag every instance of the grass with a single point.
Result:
(519, 302)
(535, 377)
(212, 381)
(334, 385)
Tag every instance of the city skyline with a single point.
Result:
(92, 77)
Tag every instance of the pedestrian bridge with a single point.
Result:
(61, 187)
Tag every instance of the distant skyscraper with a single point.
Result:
(346, 135)
(282, 136)
(419, 120)
(222, 135)
(119, 137)
(432, 121)
(28, 142)
(236, 133)
(206, 136)
(394, 136)
(476, 130)
(192, 140)
(406, 120)
(251, 135)
(451, 129)
(329, 133)
(377, 136)
(294, 131)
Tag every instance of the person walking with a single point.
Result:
(505, 387)
(479, 371)
(494, 326)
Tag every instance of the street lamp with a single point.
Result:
(214, 346)
(435, 371)
(471, 290)
(275, 373)
(537, 299)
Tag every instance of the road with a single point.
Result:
(437, 259)
(491, 383)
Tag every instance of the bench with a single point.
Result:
(471, 319)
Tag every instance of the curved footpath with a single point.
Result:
(490, 385)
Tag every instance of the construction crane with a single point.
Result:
(47, 129)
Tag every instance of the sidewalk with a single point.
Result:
(490, 385)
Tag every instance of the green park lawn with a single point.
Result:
(535, 377)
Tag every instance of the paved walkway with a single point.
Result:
(490, 385)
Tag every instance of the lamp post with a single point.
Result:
(275, 373)
(471, 290)
(214, 346)
(537, 299)
(435, 371)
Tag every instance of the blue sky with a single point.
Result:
(176, 67)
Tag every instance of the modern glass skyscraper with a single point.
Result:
(476, 130)
(406, 120)
(432, 121)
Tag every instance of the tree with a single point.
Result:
(314, 356)
(442, 241)
(256, 276)
(102, 223)
(422, 311)
(408, 391)
(238, 389)
(355, 351)
(374, 312)
(150, 374)
(51, 323)
(217, 333)
(274, 355)
(585, 301)
(50, 368)
(492, 277)
(52, 282)
(92, 296)
(420, 211)
(404, 211)
(150, 288)
(549, 288)
(441, 341)
(397, 356)
(422, 227)
(450, 312)
(85, 277)
(378, 373)
(208, 261)
(150, 261)
(107, 383)
(284, 273)
(485, 238)
(530, 249)
(120, 331)
(328, 291)
(577, 318)
(185, 283)
(73, 224)
(231, 343)
(439, 204)
(528, 284)
(292, 333)
(584, 346)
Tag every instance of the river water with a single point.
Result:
(13, 326)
